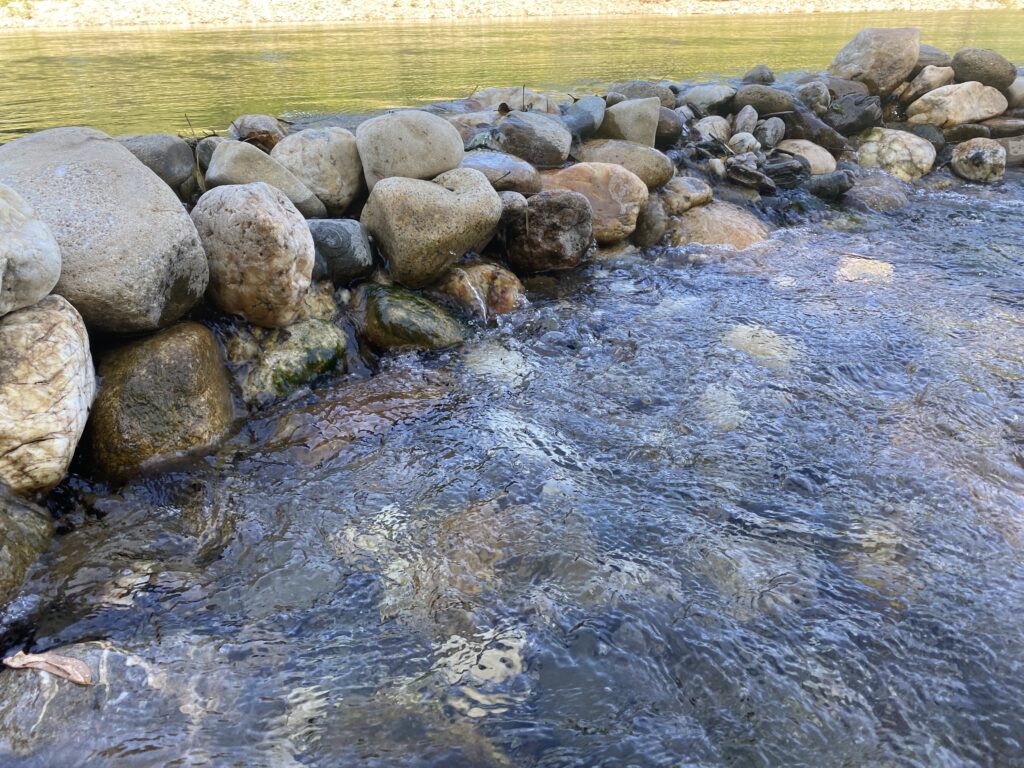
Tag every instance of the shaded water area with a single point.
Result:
(137, 81)
(689, 507)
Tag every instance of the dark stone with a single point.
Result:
(759, 75)
(25, 532)
(984, 66)
(838, 86)
(555, 233)
(928, 133)
(830, 186)
(670, 128)
(765, 99)
(343, 251)
(1004, 127)
(930, 56)
(801, 123)
(853, 113)
(957, 133)
(394, 318)
(787, 171)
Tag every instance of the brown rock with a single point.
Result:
(717, 223)
(615, 194)
(554, 234)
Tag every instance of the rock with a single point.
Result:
(392, 318)
(25, 533)
(343, 248)
(160, 397)
(555, 234)
(169, 157)
(818, 157)
(787, 171)
(998, 127)
(770, 132)
(930, 56)
(645, 89)
(801, 123)
(475, 127)
(519, 99)
(670, 128)
(29, 254)
(839, 87)
(982, 160)
(47, 385)
(745, 120)
(260, 251)
(1014, 147)
(683, 193)
(717, 223)
(927, 80)
(857, 270)
(584, 117)
(423, 227)
(1015, 94)
(612, 98)
(506, 173)
(877, 192)
(957, 133)
(929, 133)
(130, 258)
(713, 127)
(262, 131)
(815, 96)
(205, 149)
(715, 168)
(537, 139)
(745, 142)
(653, 167)
(984, 66)
(765, 346)
(715, 97)
(633, 120)
(830, 186)
(409, 143)
(513, 208)
(904, 155)
(759, 75)
(652, 223)
(327, 161)
(879, 58)
(763, 98)
(482, 290)
(955, 104)
(238, 163)
(615, 194)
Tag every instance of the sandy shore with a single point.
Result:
(80, 14)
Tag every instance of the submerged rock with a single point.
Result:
(29, 254)
(160, 397)
(262, 131)
(25, 533)
(236, 163)
(633, 120)
(878, 192)
(615, 195)
(879, 58)
(342, 250)
(408, 143)
(482, 290)
(652, 167)
(506, 173)
(982, 160)
(47, 384)
(717, 223)
(765, 346)
(904, 155)
(327, 161)
(554, 234)
(392, 318)
(955, 104)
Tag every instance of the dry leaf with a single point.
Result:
(75, 670)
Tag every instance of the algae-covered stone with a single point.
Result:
(160, 397)
(904, 155)
(483, 290)
(29, 254)
(717, 223)
(287, 358)
(615, 194)
(25, 532)
(654, 168)
(409, 143)
(392, 318)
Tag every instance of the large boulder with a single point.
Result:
(327, 161)
(653, 167)
(29, 254)
(555, 232)
(130, 257)
(507, 173)
(763, 98)
(615, 194)
(817, 157)
(263, 131)
(483, 290)
(537, 138)
(717, 223)
(904, 155)
(984, 66)
(169, 157)
(633, 120)
(47, 384)
(981, 160)
(25, 532)
(237, 163)
(160, 397)
(879, 58)
(392, 318)
(955, 104)
(342, 250)
(423, 227)
(260, 249)
(408, 143)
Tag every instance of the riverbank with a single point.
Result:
(98, 14)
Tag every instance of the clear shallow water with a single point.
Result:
(147, 81)
(685, 509)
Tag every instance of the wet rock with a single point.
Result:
(670, 128)
(392, 318)
(683, 193)
(555, 233)
(536, 138)
(260, 251)
(741, 143)
(482, 290)
(817, 157)
(801, 123)
(633, 120)
(715, 97)
(205, 149)
(879, 58)
(169, 157)
(645, 89)
(927, 80)
(982, 160)
(930, 56)
(423, 227)
(713, 127)
(956, 104)
(787, 171)
(342, 250)
(984, 66)
(653, 167)
(237, 163)
(506, 173)
(47, 385)
(1003, 127)
(25, 533)
(717, 223)
(858, 270)
(815, 96)
(957, 133)
(770, 132)
(409, 143)
(929, 133)
(29, 254)
(877, 192)
(830, 186)
(130, 257)
(615, 194)
(763, 98)
(327, 161)
(160, 397)
(262, 131)
(904, 155)
(745, 120)
(759, 75)
(652, 223)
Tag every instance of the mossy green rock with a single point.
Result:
(289, 357)
(393, 318)
(25, 531)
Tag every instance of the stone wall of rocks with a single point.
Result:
(221, 274)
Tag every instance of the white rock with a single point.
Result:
(409, 143)
(29, 254)
(956, 104)
(235, 162)
(904, 155)
(821, 159)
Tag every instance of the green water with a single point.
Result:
(138, 81)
